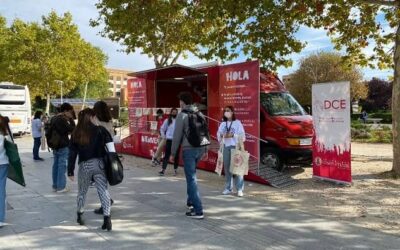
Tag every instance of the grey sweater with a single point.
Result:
(181, 130)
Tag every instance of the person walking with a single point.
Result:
(37, 126)
(88, 141)
(4, 163)
(62, 124)
(156, 160)
(167, 132)
(191, 154)
(104, 119)
(230, 132)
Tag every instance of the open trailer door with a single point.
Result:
(240, 87)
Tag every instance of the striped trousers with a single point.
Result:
(93, 169)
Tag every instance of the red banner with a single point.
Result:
(332, 137)
(137, 100)
(240, 88)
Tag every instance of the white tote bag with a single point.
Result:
(220, 159)
(239, 160)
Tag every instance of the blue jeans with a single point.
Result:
(36, 146)
(228, 175)
(3, 179)
(60, 168)
(190, 159)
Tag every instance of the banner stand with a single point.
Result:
(339, 183)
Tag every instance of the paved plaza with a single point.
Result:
(149, 214)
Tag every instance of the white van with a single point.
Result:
(15, 103)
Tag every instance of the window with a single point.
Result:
(281, 104)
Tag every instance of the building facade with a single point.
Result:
(118, 80)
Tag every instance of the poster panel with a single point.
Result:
(137, 100)
(332, 138)
(240, 88)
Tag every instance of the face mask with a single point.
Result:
(228, 115)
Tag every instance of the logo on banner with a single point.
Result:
(318, 161)
(237, 76)
(136, 85)
(148, 139)
(127, 145)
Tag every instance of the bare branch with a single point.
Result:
(389, 3)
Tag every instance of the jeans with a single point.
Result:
(190, 159)
(3, 179)
(60, 168)
(168, 148)
(228, 175)
(36, 146)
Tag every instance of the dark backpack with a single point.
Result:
(198, 134)
(52, 137)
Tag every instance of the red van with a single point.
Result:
(286, 129)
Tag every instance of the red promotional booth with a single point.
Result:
(213, 87)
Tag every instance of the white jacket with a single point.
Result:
(236, 128)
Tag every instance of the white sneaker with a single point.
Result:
(65, 190)
(226, 192)
(2, 224)
(240, 193)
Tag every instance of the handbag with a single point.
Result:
(239, 160)
(220, 159)
(15, 172)
(112, 164)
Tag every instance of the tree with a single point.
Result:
(354, 26)
(166, 30)
(325, 67)
(379, 97)
(95, 90)
(39, 55)
(4, 39)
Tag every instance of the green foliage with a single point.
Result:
(386, 117)
(354, 25)
(39, 54)
(166, 30)
(325, 67)
(364, 133)
(96, 90)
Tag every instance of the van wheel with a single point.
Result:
(270, 157)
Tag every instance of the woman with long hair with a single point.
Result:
(167, 132)
(104, 119)
(37, 126)
(230, 131)
(103, 116)
(3, 168)
(88, 141)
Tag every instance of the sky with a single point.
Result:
(83, 10)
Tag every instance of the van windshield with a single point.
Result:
(281, 104)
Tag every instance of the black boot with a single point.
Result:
(107, 223)
(100, 209)
(79, 219)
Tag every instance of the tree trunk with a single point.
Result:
(48, 104)
(396, 106)
(84, 96)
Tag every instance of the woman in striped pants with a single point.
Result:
(89, 141)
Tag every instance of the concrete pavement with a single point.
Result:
(149, 214)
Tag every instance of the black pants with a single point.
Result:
(168, 148)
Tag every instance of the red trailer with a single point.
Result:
(261, 102)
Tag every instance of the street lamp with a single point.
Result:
(61, 83)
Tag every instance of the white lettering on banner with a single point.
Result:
(237, 76)
(136, 85)
(150, 140)
(127, 145)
